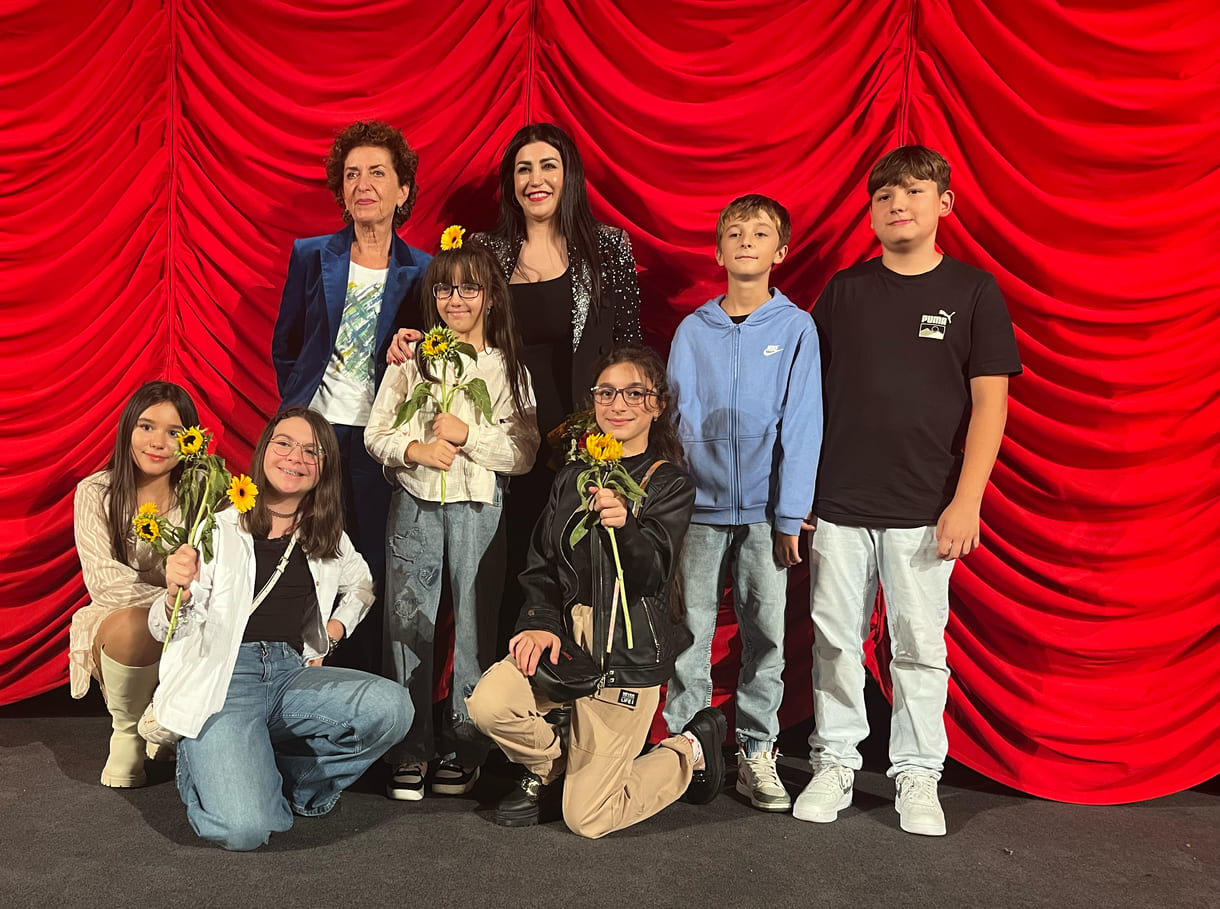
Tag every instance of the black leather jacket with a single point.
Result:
(648, 545)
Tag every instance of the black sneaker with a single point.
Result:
(710, 728)
(407, 783)
(451, 778)
(524, 805)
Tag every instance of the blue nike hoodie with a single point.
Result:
(749, 402)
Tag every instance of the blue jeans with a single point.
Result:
(421, 537)
(288, 740)
(845, 566)
(760, 599)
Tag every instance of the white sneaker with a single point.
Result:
(758, 779)
(917, 804)
(828, 793)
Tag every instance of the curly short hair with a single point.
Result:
(376, 134)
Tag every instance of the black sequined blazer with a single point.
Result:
(596, 325)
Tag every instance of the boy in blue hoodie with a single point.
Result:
(749, 403)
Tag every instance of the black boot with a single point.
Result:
(709, 727)
(524, 805)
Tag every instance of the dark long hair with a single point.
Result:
(473, 263)
(576, 222)
(663, 435)
(321, 511)
(122, 466)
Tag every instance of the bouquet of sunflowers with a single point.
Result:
(203, 489)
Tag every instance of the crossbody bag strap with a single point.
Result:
(275, 575)
(635, 508)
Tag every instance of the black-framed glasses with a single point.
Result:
(465, 291)
(633, 395)
(310, 453)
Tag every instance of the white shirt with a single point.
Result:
(197, 666)
(506, 445)
(346, 392)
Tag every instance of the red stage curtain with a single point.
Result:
(159, 157)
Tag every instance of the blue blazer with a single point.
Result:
(312, 308)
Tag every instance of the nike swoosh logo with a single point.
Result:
(772, 350)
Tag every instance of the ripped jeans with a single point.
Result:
(421, 537)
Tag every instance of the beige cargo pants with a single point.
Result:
(607, 787)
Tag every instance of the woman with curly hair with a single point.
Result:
(342, 301)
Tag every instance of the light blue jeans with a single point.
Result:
(845, 566)
(288, 740)
(422, 536)
(760, 598)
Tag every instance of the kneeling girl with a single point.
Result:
(570, 590)
(268, 732)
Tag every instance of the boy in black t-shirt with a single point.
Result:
(917, 349)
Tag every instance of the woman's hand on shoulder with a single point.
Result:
(181, 568)
(527, 648)
(610, 505)
(400, 346)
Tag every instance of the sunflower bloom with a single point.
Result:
(451, 238)
(242, 493)
(602, 446)
(190, 442)
(147, 528)
(147, 510)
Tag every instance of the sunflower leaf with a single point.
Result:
(476, 391)
(407, 409)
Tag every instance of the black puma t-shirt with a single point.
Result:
(898, 354)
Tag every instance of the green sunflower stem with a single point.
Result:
(173, 622)
(620, 594)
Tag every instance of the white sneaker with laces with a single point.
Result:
(758, 778)
(824, 796)
(918, 806)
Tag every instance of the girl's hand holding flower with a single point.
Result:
(450, 428)
(181, 567)
(438, 453)
(610, 505)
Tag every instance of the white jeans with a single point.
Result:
(845, 566)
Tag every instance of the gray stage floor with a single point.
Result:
(68, 842)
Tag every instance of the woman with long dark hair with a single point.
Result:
(574, 291)
(267, 731)
(109, 639)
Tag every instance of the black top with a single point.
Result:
(292, 603)
(898, 354)
(543, 312)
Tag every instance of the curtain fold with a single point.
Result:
(158, 159)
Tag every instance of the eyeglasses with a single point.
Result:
(633, 395)
(465, 291)
(310, 453)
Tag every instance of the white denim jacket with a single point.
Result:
(197, 666)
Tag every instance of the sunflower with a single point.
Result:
(146, 527)
(437, 343)
(190, 442)
(602, 446)
(242, 493)
(147, 510)
(451, 237)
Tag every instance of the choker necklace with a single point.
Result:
(276, 514)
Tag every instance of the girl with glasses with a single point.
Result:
(570, 590)
(464, 290)
(268, 731)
